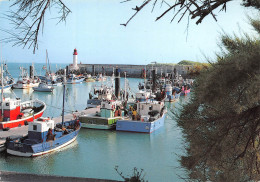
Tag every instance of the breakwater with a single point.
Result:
(133, 71)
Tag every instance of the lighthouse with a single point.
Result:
(75, 59)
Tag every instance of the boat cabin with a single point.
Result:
(150, 110)
(110, 109)
(40, 129)
(142, 96)
(104, 93)
(11, 108)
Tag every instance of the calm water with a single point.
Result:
(96, 153)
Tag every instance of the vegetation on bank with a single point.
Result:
(221, 123)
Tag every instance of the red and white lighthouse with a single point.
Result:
(75, 59)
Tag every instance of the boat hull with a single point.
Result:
(2, 147)
(172, 98)
(185, 92)
(139, 126)
(69, 81)
(98, 126)
(31, 154)
(6, 88)
(94, 122)
(43, 89)
(25, 86)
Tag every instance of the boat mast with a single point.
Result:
(63, 102)
(113, 77)
(46, 63)
(145, 78)
(2, 88)
(125, 86)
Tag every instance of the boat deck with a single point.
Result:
(23, 130)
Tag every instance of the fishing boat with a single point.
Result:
(145, 117)
(44, 137)
(172, 93)
(89, 78)
(110, 112)
(7, 81)
(43, 87)
(101, 78)
(25, 81)
(73, 79)
(15, 113)
(50, 78)
(185, 90)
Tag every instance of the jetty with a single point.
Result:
(23, 130)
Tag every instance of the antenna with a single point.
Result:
(63, 103)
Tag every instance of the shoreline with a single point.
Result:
(17, 176)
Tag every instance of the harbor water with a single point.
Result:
(96, 152)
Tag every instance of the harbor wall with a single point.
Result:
(134, 71)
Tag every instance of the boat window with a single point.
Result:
(7, 104)
(35, 127)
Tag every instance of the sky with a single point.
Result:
(94, 29)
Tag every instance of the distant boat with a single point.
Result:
(73, 79)
(100, 77)
(43, 87)
(100, 94)
(89, 78)
(172, 93)
(24, 81)
(8, 80)
(43, 137)
(185, 90)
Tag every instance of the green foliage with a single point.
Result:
(186, 62)
(221, 123)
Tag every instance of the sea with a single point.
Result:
(96, 153)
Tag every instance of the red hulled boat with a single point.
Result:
(17, 113)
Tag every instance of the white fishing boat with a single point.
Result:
(24, 81)
(7, 81)
(43, 87)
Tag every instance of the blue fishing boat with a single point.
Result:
(172, 93)
(148, 117)
(44, 137)
(73, 79)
